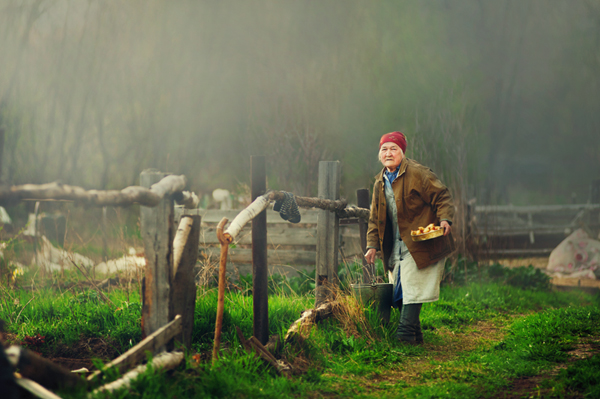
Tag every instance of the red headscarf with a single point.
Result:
(396, 138)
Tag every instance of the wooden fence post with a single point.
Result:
(260, 289)
(183, 288)
(157, 234)
(362, 200)
(328, 228)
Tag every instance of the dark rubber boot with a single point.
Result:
(419, 336)
(409, 328)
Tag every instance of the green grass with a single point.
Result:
(528, 332)
(67, 317)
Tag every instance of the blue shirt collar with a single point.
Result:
(391, 176)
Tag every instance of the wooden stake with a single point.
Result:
(328, 230)
(221, 298)
(260, 288)
(362, 200)
(157, 233)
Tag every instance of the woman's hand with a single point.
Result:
(446, 227)
(370, 256)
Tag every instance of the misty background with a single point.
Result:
(500, 98)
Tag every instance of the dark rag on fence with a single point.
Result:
(288, 208)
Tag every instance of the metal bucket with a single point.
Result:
(375, 295)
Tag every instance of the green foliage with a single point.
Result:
(279, 284)
(525, 277)
(583, 377)
(353, 273)
(547, 336)
(342, 352)
(529, 277)
(66, 318)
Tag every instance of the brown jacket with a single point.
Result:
(421, 199)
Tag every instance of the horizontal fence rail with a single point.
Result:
(171, 185)
(509, 230)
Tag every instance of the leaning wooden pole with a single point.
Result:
(221, 297)
(183, 286)
(260, 289)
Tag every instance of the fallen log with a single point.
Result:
(309, 317)
(44, 372)
(164, 360)
(253, 344)
(150, 344)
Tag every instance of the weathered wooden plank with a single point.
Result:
(277, 256)
(213, 216)
(157, 234)
(278, 235)
(328, 229)
(575, 282)
(525, 231)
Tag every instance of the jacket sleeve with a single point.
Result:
(438, 195)
(373, 229)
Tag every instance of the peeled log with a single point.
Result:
(169, 185)
(181, 237)
(246, 215)
(165, 360)
(309, 317)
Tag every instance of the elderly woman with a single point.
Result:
(406, 196)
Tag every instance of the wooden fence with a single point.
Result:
(169, 265)
(291, 247)
(496, 231)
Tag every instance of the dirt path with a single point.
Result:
(525, 387)
(437, 363)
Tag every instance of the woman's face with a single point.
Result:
(390, 156)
